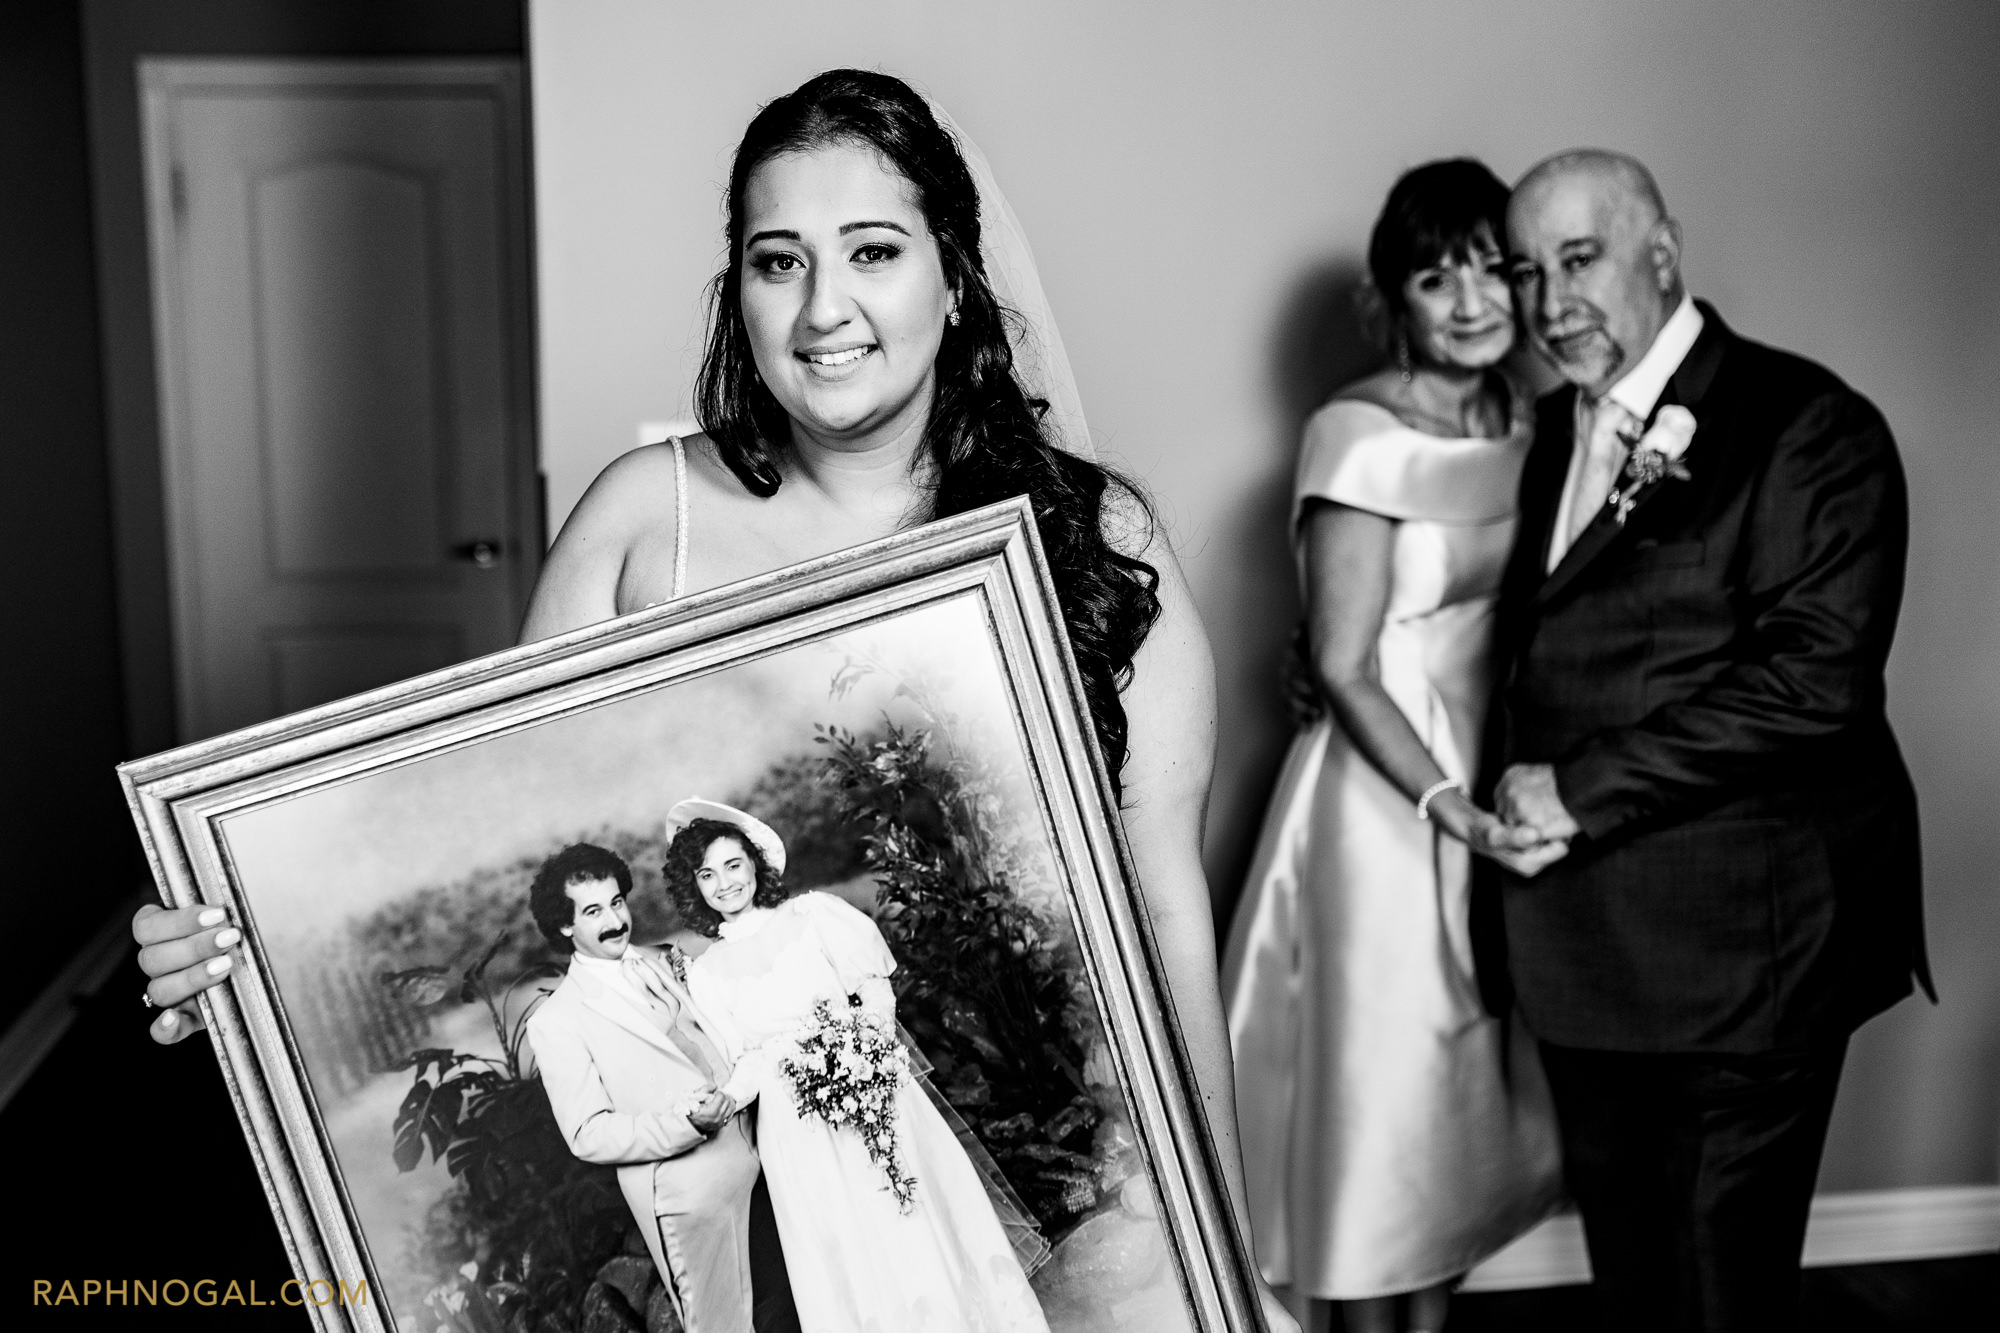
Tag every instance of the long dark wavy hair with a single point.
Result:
(985, 438)
(685, 855)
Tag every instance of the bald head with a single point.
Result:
(1614, 176)
(1596, 262)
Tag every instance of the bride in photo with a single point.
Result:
(868, 1246)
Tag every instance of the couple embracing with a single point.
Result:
(1601, 752)
(651, 1063)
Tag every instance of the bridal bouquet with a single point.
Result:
(846, 1070)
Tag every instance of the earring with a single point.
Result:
(1403, 356)
(952, 319)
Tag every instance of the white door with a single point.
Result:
(341, 304)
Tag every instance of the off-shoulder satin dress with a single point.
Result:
(1391, 1139)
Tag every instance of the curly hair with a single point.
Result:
(683, 862)
(548, 895)
(985, 438)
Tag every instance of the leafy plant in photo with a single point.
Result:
(984, 982)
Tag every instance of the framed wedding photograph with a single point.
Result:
(902, 732)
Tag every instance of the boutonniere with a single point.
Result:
(677, 960)
(1655, 455)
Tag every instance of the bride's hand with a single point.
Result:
(184, 951)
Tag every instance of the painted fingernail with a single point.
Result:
(228, 937)
(217, 966)
(214, 916)
(169, 1021)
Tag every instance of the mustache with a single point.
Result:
(615, 932)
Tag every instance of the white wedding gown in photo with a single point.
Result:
(858, 1264)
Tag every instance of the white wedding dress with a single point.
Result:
(858, 1263)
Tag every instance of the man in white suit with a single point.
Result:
(634, 1082)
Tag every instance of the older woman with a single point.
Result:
(1389, 1150)
(859, 380)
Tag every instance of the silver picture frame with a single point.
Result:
(198, 807)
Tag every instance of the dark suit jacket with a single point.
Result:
(1707, 681)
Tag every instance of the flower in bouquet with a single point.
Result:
(847, 1068)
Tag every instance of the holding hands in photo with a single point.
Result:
(711, 1110)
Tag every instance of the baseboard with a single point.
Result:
(1855, 1227)
(35, 1033)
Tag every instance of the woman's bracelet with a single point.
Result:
(1432, 792)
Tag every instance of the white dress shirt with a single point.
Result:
(611, 974)
(1637, 391)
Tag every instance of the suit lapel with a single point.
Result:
(608, 1004)
(1543, 477)
(709, 1031)
(1688, 386)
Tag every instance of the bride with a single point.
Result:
(858, 1258)
(865, 374)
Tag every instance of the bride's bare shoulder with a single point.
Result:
(615, 552)
(638, 479)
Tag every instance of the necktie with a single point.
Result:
(1609, 424)
(671, 1015)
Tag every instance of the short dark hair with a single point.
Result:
(685, 855)
(1440, 210)
(579, 863)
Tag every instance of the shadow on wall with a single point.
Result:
(1317, 345)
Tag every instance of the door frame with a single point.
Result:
(162, 79)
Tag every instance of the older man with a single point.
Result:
(1693, 629)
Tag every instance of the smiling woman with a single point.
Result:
(1394, 1142)
(860, 379)
(786, 977)
(845, 294)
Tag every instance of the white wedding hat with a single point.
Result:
(762, 835)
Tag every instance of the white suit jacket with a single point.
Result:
(612, 1079)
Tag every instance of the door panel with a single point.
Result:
(345, 307)
(340, 274)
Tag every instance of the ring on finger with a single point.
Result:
(147, 996)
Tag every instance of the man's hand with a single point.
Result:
(712, 1112)
(1519, 847)
(1527, 796)
(1527, 864)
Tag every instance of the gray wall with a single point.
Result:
(1198, 180)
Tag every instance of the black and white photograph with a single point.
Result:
(876, 1039)
(1268, 666)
